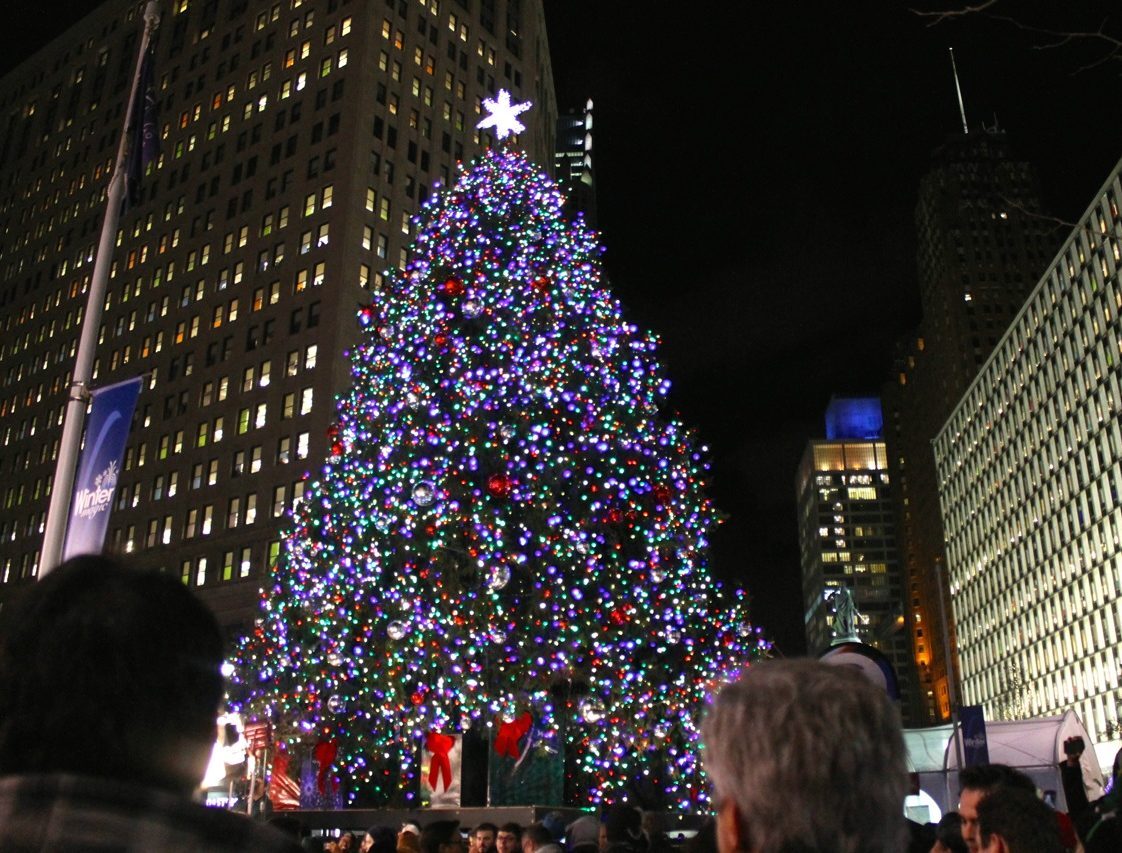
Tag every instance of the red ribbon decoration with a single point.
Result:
(324, 753)
(439, 745)
(506, 742)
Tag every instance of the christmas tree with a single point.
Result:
(509, 537)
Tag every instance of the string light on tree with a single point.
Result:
(511, 531)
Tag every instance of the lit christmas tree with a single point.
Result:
(508, 538)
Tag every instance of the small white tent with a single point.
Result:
(1035, 747)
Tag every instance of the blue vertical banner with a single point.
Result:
(145, 145)
(107, 431)
(976, 749)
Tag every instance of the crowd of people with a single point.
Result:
(110, 681)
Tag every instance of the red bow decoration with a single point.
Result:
(439, 745)
(506, 742)
(324, 753)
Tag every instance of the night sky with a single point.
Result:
(757, 167)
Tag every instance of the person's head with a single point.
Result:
(509, 838)
(978, 782)
(442, 836)
(111, 672)
(705, 841)
(1012, 820)
(379, 839)
(534, 836)
(948, 835)
(554, 823)
(484, 837)
(346, 843)
(583, 834)
(795, 750)
(622, 825)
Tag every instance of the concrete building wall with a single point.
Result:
(298, 139)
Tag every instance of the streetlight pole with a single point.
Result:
(62, 486)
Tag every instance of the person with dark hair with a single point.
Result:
(978, 782)
(537, 839)
(704, 840)
(483, 838)
(509, 838)
(110, 681)
(1012, 820)
(948, 834)
(379, 839)
(621, 830)
(442, 836)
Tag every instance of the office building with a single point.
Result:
(298, 138)
(982, 243)
(1030, 472)
(847, 536)
(573, 161)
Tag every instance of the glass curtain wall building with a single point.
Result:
(1030, 473)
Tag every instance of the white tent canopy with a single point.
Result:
(1035, 747)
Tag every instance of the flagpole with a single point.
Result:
(78, 395)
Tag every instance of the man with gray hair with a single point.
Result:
(806, 756)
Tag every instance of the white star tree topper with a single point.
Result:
(503, 115)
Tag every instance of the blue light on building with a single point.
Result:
(854, 417)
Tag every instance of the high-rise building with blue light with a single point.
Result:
(847, 536)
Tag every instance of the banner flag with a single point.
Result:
(99, 465)
(972, 718)
(145, 144)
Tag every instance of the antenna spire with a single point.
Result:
(958, 91)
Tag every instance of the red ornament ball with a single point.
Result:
(453, 287)
(333, 431)
(337, 448)
(418, 697)
(541, 284)
(662, 494)
(499, 485)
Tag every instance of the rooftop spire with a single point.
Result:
(958, 91)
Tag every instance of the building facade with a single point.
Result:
(298, 139)
(573, 161)
(847, 537)
(1030, 473)
(982, 244)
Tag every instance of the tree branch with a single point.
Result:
(939, 17)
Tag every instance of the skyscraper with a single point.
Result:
(573, 160)
(298, 139)
(1030, 477)
(847, 536)
(982, 243)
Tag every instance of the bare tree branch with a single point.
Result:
(1056, 223)
(939, 17)
(1065, 38)
(1111, 45)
